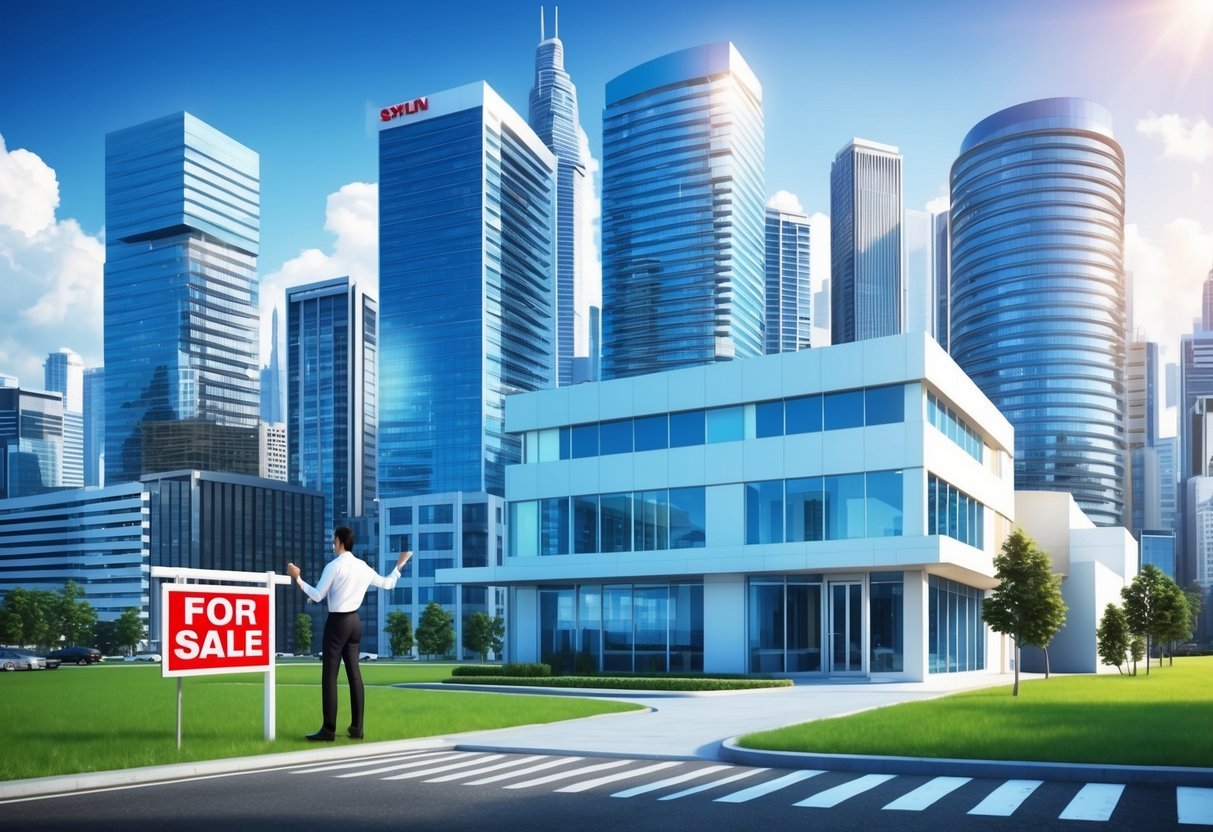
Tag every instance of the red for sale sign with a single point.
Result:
(215, 629)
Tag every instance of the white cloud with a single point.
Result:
(589, 263)
(786, 201)
(352, 216)
(1182, 137)
(940, 203)
(51, 272)
(1168, 272)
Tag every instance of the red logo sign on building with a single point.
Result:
(405, 108)
(215, 629)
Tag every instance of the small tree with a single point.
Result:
(1026, 605)
(482, 634)
(302, 641)
(1113, 636)
(105, 637)
(435, 632)
(400, 632)
(130, 629)
(1148, 606)
(73, 617)
(1175, 619)
(1196, 602)
(1137, 649)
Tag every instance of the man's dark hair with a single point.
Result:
(346, 535)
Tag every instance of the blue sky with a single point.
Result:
(302, 82)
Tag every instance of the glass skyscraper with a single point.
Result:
(789, 314)
(1141, 399)
(181, 321)
(918, 274)
(94, 426)
(332, 351)
(1038, 292)
(867, 295)
(64, 374)
(271, 380)
(683, 213)
(941, 229)
(31, 441)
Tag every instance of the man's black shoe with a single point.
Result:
(322, 736)
(354, 733)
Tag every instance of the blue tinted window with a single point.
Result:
(652, 433)
(688, 529)
(764, 512)
(844, 507)
(615, 437)
(585, 441)
(554, 526)
(585, 524)
(400, 516)
(726, 424)
(884, 405)
(566, 443)
(844, 410)
(652, 520)
(804, 414)
(884, 504)
(806, 503)
(768, 419)
(686, 428)
(615, 526)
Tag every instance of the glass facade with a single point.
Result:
(1158, 549)
(953, 513)
(31, 441)
(789, 313)
(683, 206)
(94, 426)
(182, 332)
(64, 374)
(1038, 292)
(835, 507)
(956, 635)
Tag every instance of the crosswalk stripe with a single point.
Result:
(611, 778)
(767, 787)
(446, 778)
(559, 761)
(1094, 801)
(741, 775)
(565, 775)
(832, 797)
(927, 794)
(1194, 805)
(426, 772)
(312, 769)
(414, 764)
(1004, 800)
(670, 781)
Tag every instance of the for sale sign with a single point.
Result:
(215, 629)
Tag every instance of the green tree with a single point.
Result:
(1113, 637)
(73, 617)
(130, 629)
(302, 641)
(26, 618)
(435, 632)
(1149, 607)
(105, 637)
(1027, 604)
(400, 633)
(1175, 619)
(1196, 602)
(482, 634)
(1137, 648)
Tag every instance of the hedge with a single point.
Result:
(682, 683)
(516, 669)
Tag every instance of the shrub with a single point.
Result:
(676, 683)
(514, 669)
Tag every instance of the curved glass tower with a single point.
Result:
(1038, 292)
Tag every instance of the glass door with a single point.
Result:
(845, 621)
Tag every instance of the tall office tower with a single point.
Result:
(181, 323)
(1141, 434)
(918, 275)
(271, 444)
(789, 289)
(31, 441)
(64, 374)
(1195, 382)
(1167, 453)
(868, 293)
(553, 117)
(941, 228)
(683, 210)
(94, 426)
(1038, 302)
(271, 380)
(332, 353)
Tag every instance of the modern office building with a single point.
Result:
(31, 441)
(866, 281)
(1158, 549)
(1166, 451)
(272, 408)
(271, 441)
(683, 209)
(789, 289)
(941, 257)
(827, 511)
(181, 321)
(64, 374)
(918, 271)
(94, 426)
(1142, 386)
(553, 116)
(1038, 298)
(332, 394)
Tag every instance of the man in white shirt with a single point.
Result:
(344, 582)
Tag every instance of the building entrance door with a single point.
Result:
(845, 627)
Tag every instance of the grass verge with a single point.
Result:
(98, 718)
(1156, 720)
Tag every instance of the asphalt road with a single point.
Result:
(459, 790)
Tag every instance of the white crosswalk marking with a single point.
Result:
(1094, 801)
(741, 775)
(767, 787)
(832, 797)
(313, 769)
(1004, 800)
(927, 794)
(611, 778)
(670, 781)
(414, 764)
(565, 775)
(426, 772)
(1194, 805)
(559, 761)
(459, 775)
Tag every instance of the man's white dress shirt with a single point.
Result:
(344, 582)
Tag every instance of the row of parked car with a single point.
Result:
(12, 658)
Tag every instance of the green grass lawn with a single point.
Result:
(104, 717)
(1164, 719)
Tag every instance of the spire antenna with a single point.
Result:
(557, 33)
(541, 24)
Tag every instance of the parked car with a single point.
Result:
(20, 660)
(368, 657)
(76, 655)
(284, 655)
(51, 664)
(144, 656)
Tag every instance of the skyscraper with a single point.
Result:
(181, 322)
(271, 380)
(918, 275)
(553, 117)
(867, 291)
(1142, 386)
(94, 426)
(64, 374)
(789, 290)
(941, 256)
(683, 211)
(31, 441)
(1038, 300)
(332, 351)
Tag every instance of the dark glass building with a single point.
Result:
(31, 441)
(789, 312)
